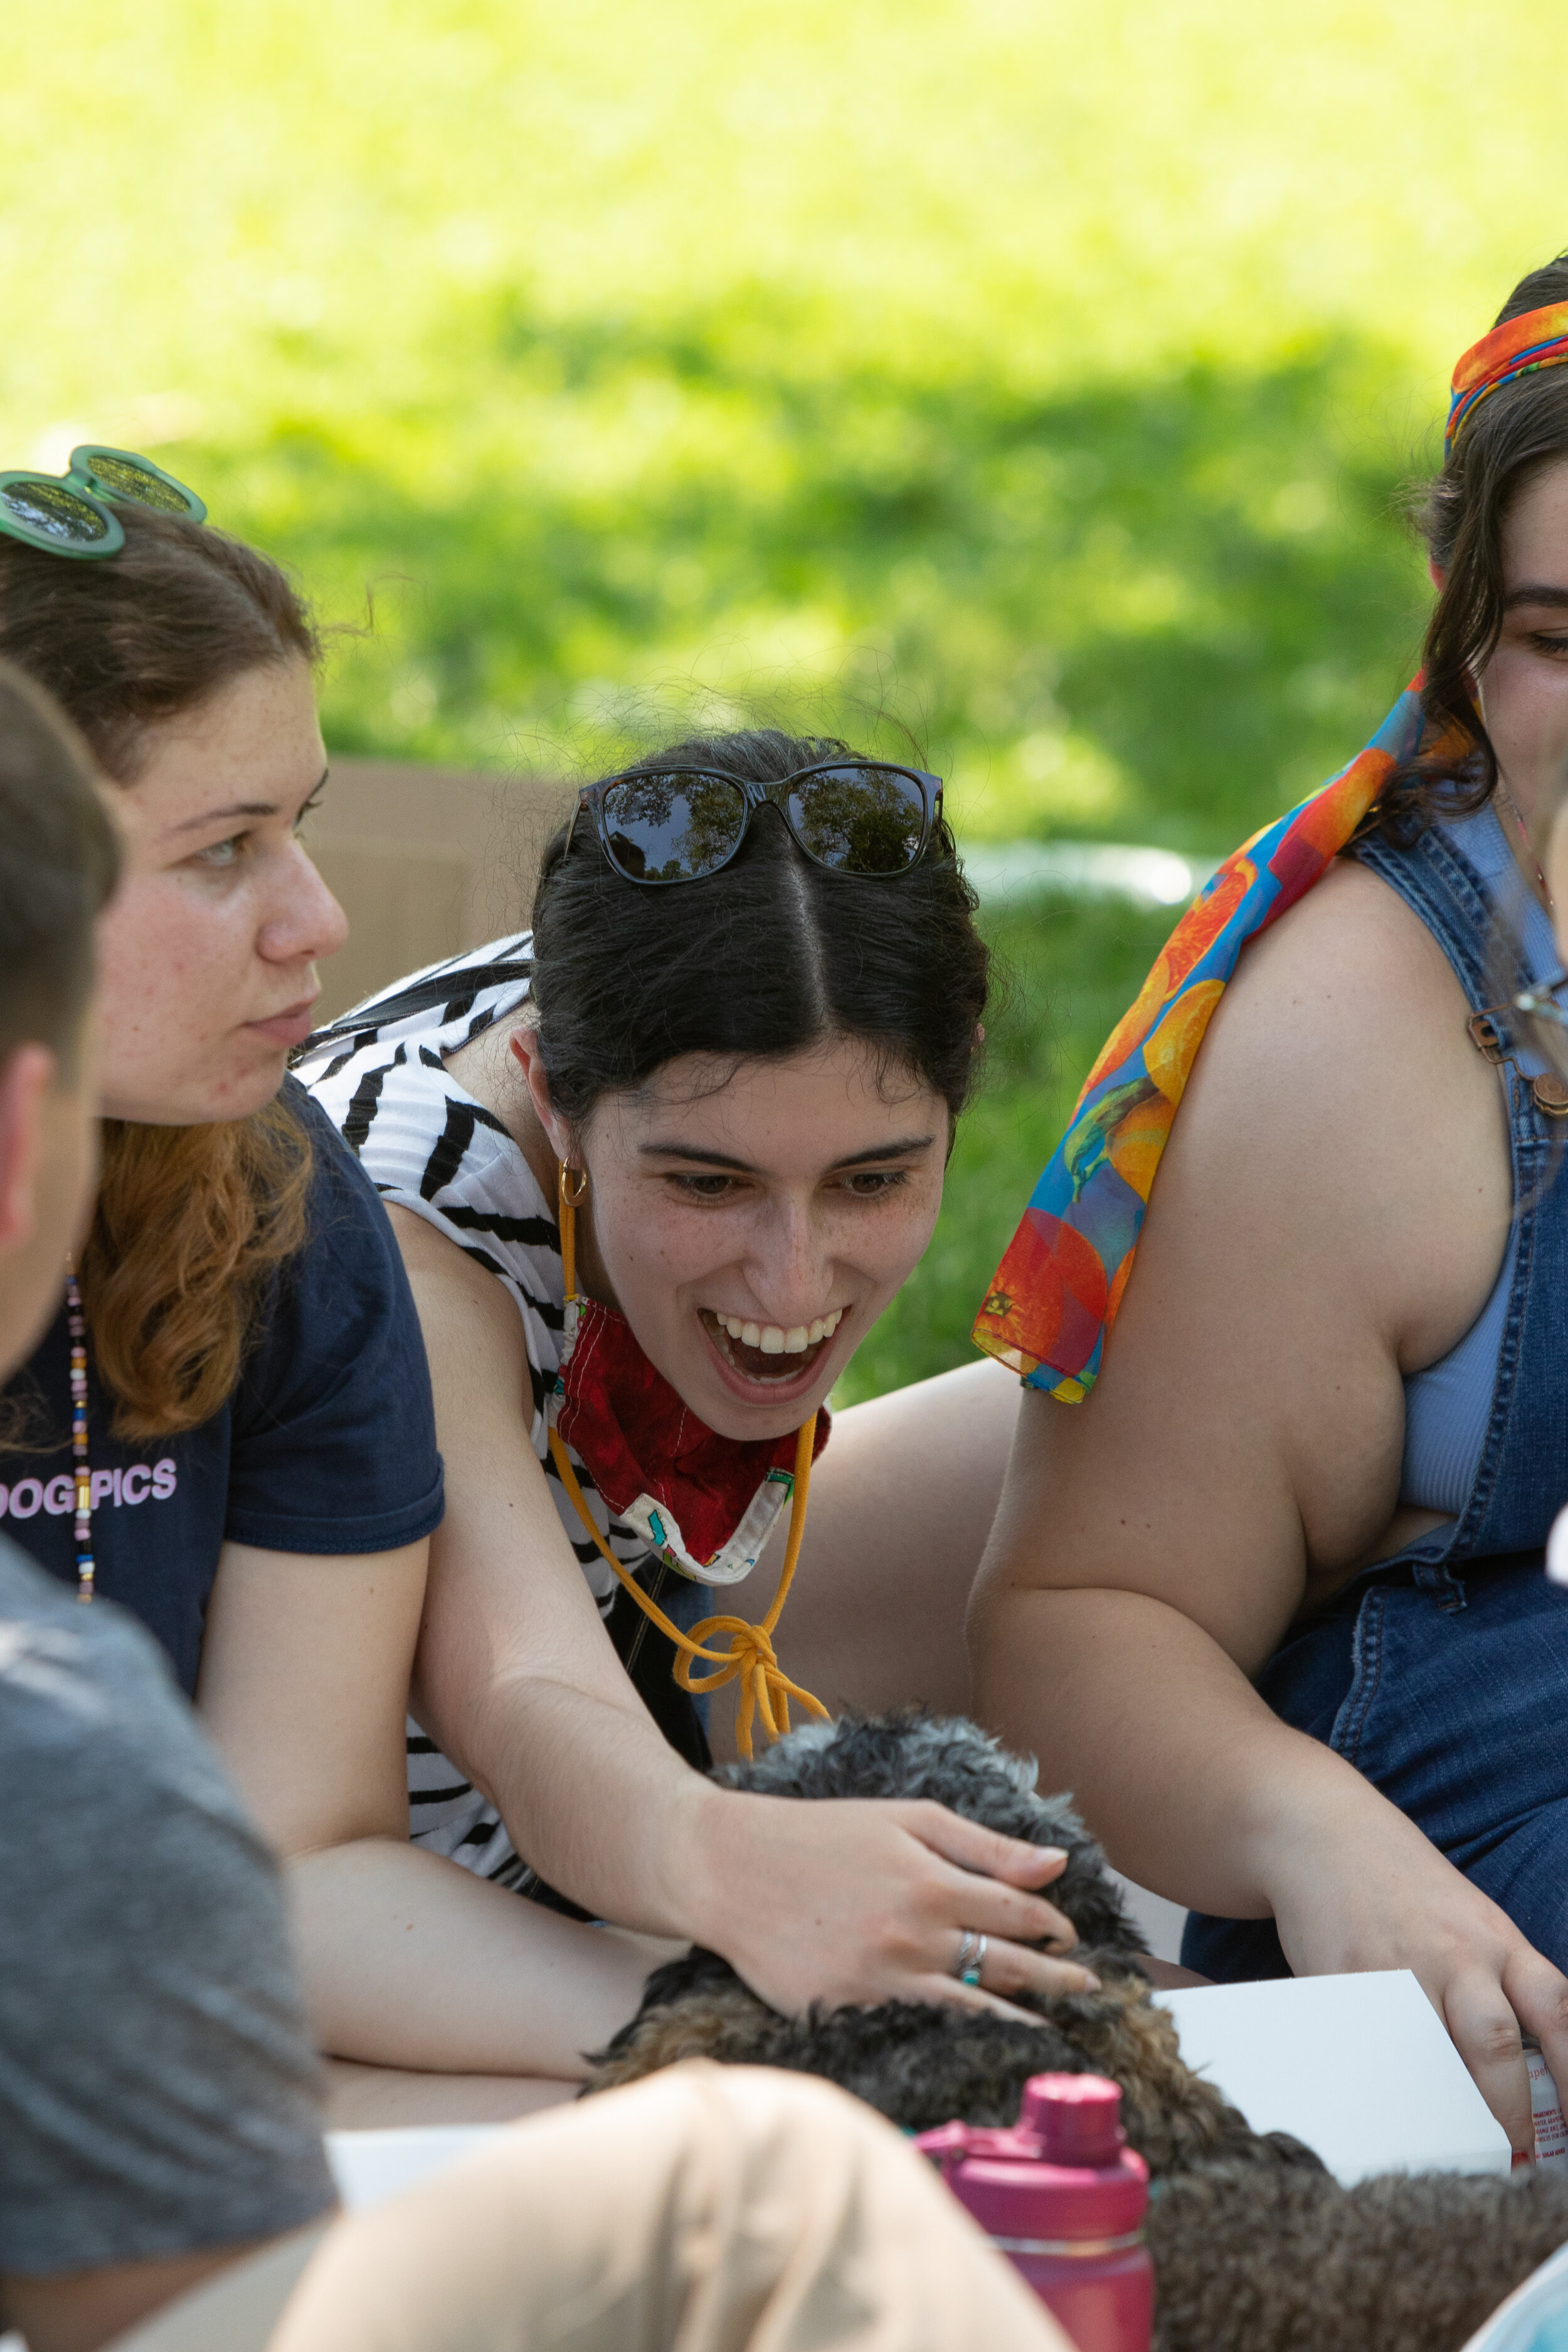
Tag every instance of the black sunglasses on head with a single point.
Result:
(676, 824)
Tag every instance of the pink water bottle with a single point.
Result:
(1063, 2196)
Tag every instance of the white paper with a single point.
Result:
(1161, 1921)
(368, 2166)
(1360, 2067)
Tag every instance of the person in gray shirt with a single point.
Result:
(158, 2092)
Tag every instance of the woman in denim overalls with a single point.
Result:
(1310, 1490)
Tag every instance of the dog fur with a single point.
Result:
(921, 2065)
(1256, 2247)
(1278, 2259)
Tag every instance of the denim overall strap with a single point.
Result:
(1522, 1479)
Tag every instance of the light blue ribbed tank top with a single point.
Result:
(1447, 1405)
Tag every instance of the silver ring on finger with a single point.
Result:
(971, 1957)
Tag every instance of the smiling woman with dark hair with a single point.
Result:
(656, 1169)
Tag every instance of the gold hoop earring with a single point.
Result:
(574, 1199)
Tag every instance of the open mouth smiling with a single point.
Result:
(765, 1353)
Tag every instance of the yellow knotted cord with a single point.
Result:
(751, 1656)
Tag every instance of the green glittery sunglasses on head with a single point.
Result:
(73, 513)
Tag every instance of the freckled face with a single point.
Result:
(1524, 687)
(752, 1236)
(207, 951)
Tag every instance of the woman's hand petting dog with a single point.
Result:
(875, 1898)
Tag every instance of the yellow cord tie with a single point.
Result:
(750, 1657)
(765, 1689)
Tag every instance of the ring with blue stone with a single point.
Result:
(971, 1957)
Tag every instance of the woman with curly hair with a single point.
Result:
(228, 1430)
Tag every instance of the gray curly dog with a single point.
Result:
(1256, 2247)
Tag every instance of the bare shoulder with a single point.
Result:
(1329, 1216)
(433, 1253)
(1338, 1104)
(461, 1305)
(1349, 991)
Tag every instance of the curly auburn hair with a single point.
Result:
(192, 1222)
(1506, 441)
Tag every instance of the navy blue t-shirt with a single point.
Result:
(327, 1445)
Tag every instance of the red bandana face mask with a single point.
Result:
(706, 1504)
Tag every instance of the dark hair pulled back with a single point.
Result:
(1506, 441)
(768, 957)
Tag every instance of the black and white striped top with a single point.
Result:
(381, 1075)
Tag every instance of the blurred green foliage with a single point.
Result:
(1156, 611)
(1141, 611)
(1066, 974)
(1038, 380)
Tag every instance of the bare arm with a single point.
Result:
(406, 1959)
(1330, 1215)
(517, 1682)
(79, 2310)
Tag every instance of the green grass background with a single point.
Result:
(1042, 377)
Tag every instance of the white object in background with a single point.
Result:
(1535, 2316)
(1004, 872)
(1360, 2067)
(1557, 1549)
(368, 2166)
(1162, 1922)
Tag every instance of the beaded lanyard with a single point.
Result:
(77, 1322)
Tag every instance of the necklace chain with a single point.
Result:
(1512, 805)
(77, 1324)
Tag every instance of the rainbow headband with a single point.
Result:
(1537, 339)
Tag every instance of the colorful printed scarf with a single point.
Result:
(1055, 1293)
